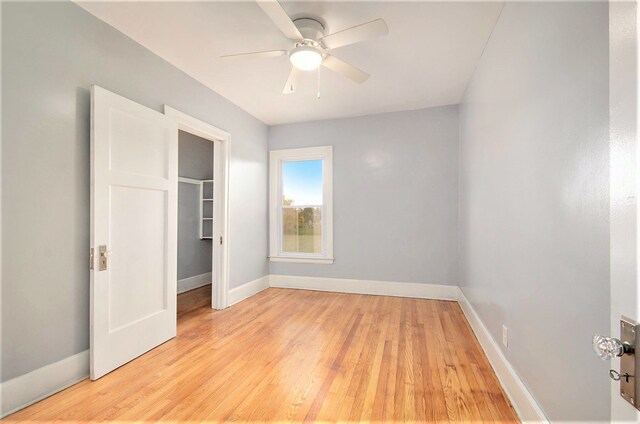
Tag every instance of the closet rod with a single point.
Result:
(188, 180)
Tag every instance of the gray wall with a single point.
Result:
(395, 195)
(195, 160)
(195, 157)
(51, 54)
(534, 219)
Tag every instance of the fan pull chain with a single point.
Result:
(318, 82)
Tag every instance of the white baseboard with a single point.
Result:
(522, 400)
(247, 290)
(29, 388)
(382, 288)
(194, 282)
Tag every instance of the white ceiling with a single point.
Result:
(426, 60)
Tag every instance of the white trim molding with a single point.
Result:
(276, 196)
(32, 387)
(221, 155)
(382, 288)
(245, 291)
(194, 282)
(304, 260)
(521, 398)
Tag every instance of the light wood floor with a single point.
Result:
(294, 355)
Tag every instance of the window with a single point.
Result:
(300, 213)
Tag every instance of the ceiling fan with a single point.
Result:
(311, 45)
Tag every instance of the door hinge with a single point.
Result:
(91, 259)
(220, 239)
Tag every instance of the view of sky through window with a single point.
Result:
(302, 182)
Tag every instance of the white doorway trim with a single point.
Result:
(221, 142)
(624, 166)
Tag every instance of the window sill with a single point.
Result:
(301, 260)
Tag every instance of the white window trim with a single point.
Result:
(276, 157)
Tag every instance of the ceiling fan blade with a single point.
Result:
(355, 34)
(252, 55)
(274, 10)
(343, 68)
(292, 81)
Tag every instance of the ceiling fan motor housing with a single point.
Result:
(311, 29)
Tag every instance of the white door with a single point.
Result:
(625, 190)
(134, 181)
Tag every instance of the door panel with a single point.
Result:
(138, 245)
(134, 214)
(137, 145)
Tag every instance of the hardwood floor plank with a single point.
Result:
(293, 355)
(399, 387)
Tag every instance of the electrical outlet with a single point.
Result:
(505, 336)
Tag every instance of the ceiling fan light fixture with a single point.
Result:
(305, 58)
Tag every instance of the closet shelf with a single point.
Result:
(202, 201)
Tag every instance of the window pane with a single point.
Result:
(302, 230)
(302, 182)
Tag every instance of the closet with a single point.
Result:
(195, 211)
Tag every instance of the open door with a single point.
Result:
(134, 183)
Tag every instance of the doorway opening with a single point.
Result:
(195, 219)
(203, 167)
